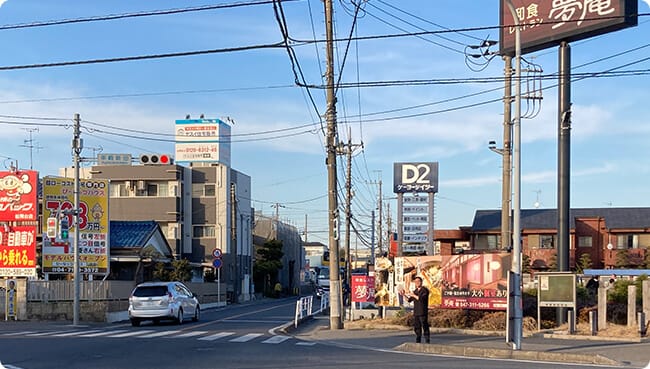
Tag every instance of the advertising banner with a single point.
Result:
(10, 299)
(58, 201)
(363, 288)
(202, 140)
(18, 251)
(459, 281)
(19, 196)
(415, 177)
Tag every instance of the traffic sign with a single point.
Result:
(217, 263)
(216, 253)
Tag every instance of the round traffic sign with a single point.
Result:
(217, 263)
(216, 253)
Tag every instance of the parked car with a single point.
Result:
(163, 300)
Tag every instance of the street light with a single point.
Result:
(492, 145)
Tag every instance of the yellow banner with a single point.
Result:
(94, 248)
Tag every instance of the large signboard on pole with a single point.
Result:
(202, 140)
(545, 23)
(94, 247)
(415, 177)
(18, 223)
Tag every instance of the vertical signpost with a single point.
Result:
(217, 263)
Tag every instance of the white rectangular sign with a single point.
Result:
(415, 228)
(415, 199)
(416, 209)
(416, 218)
(415, 238)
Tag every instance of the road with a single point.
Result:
(238, 336)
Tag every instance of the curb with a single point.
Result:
(506, 354)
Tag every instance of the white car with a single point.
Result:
(163, 300)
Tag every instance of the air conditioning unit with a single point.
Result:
(156, 159)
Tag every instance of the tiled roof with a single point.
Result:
(615, 218)
(131, 234)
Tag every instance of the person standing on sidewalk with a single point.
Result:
(420, 299)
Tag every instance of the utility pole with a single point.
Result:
(506, 191)
(330, 115)
(347, 150)
(233, 240)
(381, 231)
(77, 147)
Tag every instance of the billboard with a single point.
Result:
(94, 247)
(363, 288)
(545, 23)
(415, 177)
(458, 281)
(18, 196)
(18, 251)
(202, 140)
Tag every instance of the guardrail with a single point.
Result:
(305, 306)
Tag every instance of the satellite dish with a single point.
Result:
(610, 246)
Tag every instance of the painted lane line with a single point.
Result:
(246, 338)
(69, 334)
(276, 339)
(216, 336)
(306, 343)
(18, 333)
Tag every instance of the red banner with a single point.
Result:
(363, 288)
(18, 251)
(18, 196)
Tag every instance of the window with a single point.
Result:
(546, 241)
(118, 190)
(628, 241)
(492, 241)
(152, 189)
(204, 231)
(585, 241)
(202, 189)
(209, 190)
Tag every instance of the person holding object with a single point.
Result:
(420, 299)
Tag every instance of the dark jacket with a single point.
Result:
(421, 304)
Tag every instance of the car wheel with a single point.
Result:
(179, 317)
(135, 322)
(197, 314)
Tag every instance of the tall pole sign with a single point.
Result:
(415, 212)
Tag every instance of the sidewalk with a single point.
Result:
(548, 348)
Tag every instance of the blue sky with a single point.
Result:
(610, 132)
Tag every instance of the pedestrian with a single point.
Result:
(592, 286)
(420, 299)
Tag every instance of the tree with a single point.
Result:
(182, 270)
(267, 265)
(160, 273)
(646, 258)
(525, 263)
(622, 259)
(583, 263)
(552, 262)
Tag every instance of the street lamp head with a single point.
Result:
(492, 145)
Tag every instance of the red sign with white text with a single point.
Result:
(18, 196)
(18, 251)
(363, 288)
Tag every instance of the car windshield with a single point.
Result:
(150, 291)
(324, 273)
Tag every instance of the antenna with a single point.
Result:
(537, 204)
(30, 145)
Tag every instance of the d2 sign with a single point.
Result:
(415, 177)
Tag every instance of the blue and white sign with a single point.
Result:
(202, 140)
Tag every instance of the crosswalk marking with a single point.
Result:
(159, 334)
(149, 333)
(41, 334)
(18, 333)
(216, 336)
(246, 338)
(69, 334)
(106, 333)
(276, 339)
(191, 334)
(130, 334)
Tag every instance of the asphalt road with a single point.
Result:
(239, 336)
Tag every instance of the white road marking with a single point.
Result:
(18, 333)
(106, 333)
(45, 333)
(190, 334)
(216, 336)
(246, 338)
(306, 343)
(276, 339)
(159, 334)
(69, 334)
(130, 334)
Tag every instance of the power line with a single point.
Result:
(134, 15)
